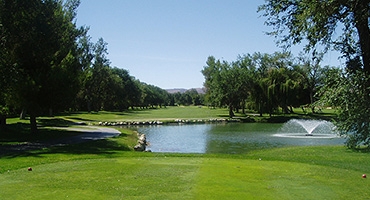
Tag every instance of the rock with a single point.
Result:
(140, 147)
(141, 143)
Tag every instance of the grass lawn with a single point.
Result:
(109, 169)
(285, 173)
(168, 113)
(184, 112)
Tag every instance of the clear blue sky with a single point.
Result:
(167, 42)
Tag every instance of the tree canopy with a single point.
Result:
(39, 45)
(48, 63)
(262, 82)
(319, 22)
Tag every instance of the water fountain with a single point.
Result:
(300, 128)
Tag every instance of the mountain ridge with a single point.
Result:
(183, 90)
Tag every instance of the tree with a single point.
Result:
(354, 120)
(39, 41)
(98, 78)
(245, 65)
(275, 82)
(318, 22)
(85, 55)
(194, 97)
(121, 87)
(153, 96)
(226, 83)
(217, 75)
(211, 73)
(5, 77)
(133, 91)
(312, 75)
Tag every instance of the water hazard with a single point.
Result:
(234, 137)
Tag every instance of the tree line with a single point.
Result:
(264, 82)
(49, 64)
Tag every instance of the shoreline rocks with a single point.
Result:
(175, 121)
(141, 143)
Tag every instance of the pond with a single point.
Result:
(231, 138)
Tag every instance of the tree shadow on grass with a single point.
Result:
(56, 122)
(99, 147)
(21, 132)
(104, 147)
(17, 141)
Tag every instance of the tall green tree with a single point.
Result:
(5, 76)
(211, 73)
(39, 37)
(85, 56)
(276, 82)
(353, 120)
(98, 78)
(153, 96)
(215, 81)
(247, 73)
(226, 83)
(317, 23)
(313, 75)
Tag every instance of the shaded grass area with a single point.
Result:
(20, 132)
(110, 146)
(124, 142)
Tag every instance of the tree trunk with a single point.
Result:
(22, 116)
(313, 109)
(260, 109)
(50, 112)
(89, 107)
(361, 14)
(311, 101)
(231, 113)
(2, 121)
(33, 123)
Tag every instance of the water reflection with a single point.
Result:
(177, 138)
(223, 138)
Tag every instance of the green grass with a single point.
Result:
(187, 112)
(164, 114)
(110, 169)
(168, 113)
(285, 173)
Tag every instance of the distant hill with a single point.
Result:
(182, 90)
